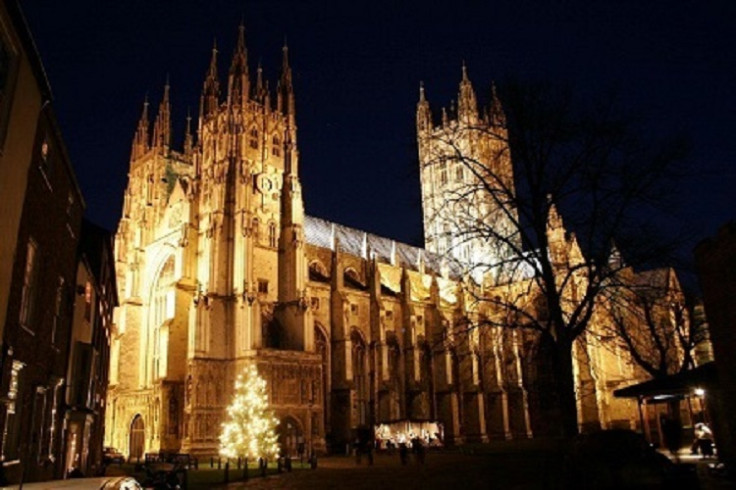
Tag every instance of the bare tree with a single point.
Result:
(651, 319)
(500, 182)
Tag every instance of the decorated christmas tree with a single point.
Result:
(250, 429)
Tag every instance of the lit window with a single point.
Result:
(459, 173)
(11, 441)
(254, 138)
(88, 301)
(44, 157)
(30, 285)
(276, 150)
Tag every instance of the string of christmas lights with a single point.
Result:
(250, 430)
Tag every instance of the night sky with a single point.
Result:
(357, 68)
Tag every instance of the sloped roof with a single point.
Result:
(323, 233)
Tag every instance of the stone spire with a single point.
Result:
(424, 117)
(238, 81)
(162, 126)
(467, 105)
(188, 139)
(496, 115)
(142, 136)
(286, 88)
(260, 86)
(210, 99)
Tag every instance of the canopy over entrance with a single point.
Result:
(680, 384)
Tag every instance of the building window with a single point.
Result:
(58, 308)
(459, 173)
(44, 157)
(276, 150)
(262, 286)
(11, 441)
(315, 304)
(443, 173)
(30, 285)
(70, 204)
(272, 234)
(256, 230)
(88, 301)
(354, 309)
(254, 138)
(52, 418)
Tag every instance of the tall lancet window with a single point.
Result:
(360, 378)
(162, 311)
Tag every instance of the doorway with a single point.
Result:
(137, 438)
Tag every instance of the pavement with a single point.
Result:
(441, 471)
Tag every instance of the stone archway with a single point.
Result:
(291, 437)
(137, 439)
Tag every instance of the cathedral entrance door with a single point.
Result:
(291, 438)
(137, 438)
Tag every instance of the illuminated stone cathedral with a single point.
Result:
(219, 267)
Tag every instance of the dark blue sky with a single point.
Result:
(357, 68)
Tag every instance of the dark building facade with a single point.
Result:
(89, 358)
(715, 259)
(39, 295)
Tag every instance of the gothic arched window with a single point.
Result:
(276, 149)
(360, 378)
(162, 310)
(272, 235)
(253, 138)
(256, 227)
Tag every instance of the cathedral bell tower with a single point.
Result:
(457, 159)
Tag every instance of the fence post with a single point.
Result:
(227, 471)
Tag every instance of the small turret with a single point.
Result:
(162, 126)
(238, 81)
(497, 118)
(210, 99)
(188, 139)
(424, 117)
(286, 88)
(260, 86)
(142, 137)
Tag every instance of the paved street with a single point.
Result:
(441, 470)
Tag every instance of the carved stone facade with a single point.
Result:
(219, 267)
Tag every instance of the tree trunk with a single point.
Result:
(565, 384)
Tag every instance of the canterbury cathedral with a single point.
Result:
(219, 267)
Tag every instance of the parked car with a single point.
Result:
(98, 483)
(620, 458)
(112, 455)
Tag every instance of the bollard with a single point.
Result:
(212, 462)
(264, 466)
(238, 462)
(313, 463)
(278, 465)
(245, 469)
(227, 471)
(219, 463)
